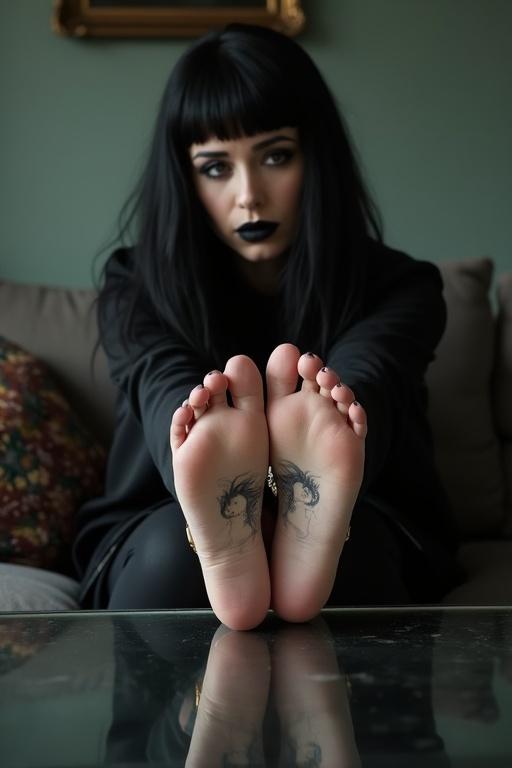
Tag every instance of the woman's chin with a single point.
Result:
(261, 252)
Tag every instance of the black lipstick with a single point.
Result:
(255, 231)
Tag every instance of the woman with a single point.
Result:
(256, 241)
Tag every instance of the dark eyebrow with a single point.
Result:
(273, 140)
(260, 145)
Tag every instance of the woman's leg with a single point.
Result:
(383, 564)
(371, 570)
(155, 567)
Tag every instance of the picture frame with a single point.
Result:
(164, 18)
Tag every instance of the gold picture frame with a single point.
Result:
(161, 19)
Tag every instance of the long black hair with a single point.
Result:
(237, 82)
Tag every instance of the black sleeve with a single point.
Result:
(155, 370)
(384, 356)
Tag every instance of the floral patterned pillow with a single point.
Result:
(49, 464)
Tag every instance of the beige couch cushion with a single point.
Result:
(503, 386)
(58, 326)
(459, 381)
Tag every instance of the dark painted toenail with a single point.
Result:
(212, 372)
(325, 370)
(355, 402)
(340, 384)
(310, 354)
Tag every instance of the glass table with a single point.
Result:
(356, 687)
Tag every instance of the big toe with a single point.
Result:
(245, 384)
(282, 374)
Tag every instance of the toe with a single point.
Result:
(180, 422)
(282, 374)
(309, 365)
(217, 384)
(198, 399)
(343, 396)
(199, 396)
(245, 384)
(357, 419)
(326, 379)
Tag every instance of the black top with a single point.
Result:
(382, 357)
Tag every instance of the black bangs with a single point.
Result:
(232, 98)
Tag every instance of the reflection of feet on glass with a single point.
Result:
(312, 700)
(231, 703)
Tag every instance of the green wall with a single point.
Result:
(426, 86)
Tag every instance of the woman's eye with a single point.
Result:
(279, 157)
(214, 170)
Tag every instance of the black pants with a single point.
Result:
(156, 568)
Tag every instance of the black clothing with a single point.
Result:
(383, 358)
(155, 566)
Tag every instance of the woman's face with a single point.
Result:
(253, 183)
(236, 506)
(301, 493)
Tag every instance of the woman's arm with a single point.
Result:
(384, 356)
(155, 370)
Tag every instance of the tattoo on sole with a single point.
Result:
(299, 493)
(240, 506)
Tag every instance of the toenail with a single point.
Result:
(355, 403)
(340, 384)
(200, 386)
(310, 354)
(325, 369)
(212, 372)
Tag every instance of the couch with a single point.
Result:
(470, 409)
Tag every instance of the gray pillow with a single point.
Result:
(33, 589)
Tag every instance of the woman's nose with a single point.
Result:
(249, 194)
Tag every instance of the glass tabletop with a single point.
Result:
(356, 687)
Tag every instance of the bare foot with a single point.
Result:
(317, 456)
(220, 460)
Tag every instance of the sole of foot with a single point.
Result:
(317, 437)
(219, 456)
